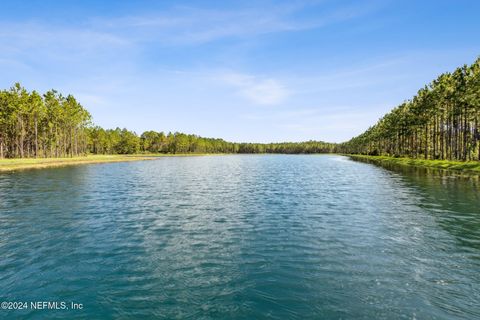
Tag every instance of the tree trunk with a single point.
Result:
(465, 130)
(21, 139)
(36, 137)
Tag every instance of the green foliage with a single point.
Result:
(180, 143)
(36, 126)
(468, 167)
(441, 122)
(52, 125)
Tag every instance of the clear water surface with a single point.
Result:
(241, 237)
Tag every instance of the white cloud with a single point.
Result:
(96, 40)
(262, 91)
(88, 99)
(20, 38)
(193, 26)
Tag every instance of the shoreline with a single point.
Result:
(20, 164)
(11, 165)
(467, 167)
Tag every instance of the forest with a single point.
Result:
(52, 125)
(122, 141)
(48, 125)
(440, 122)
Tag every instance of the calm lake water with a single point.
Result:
(241, 237)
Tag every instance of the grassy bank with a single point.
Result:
(21, 164)
(40, 163)
(458, 166)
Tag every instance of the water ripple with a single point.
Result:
(275, 237)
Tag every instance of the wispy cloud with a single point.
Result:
(93, 41)
(262, 91)
(191, 26)
(21, 38)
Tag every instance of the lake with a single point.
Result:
(241, 237)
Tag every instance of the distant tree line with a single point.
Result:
(122, 141)
(441, 122)
(52, 125)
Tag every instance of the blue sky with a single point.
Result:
(261, 71)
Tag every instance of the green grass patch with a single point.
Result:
(467, 166)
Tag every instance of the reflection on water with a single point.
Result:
(267, 236)
(452, 198)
